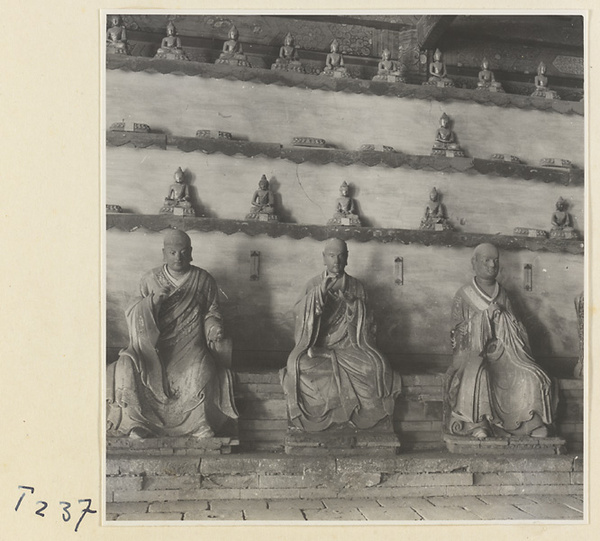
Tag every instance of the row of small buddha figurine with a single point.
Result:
(179, 201)
(388, 70)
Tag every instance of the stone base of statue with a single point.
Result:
(505, 158)
(509, 445)
(166, 447)
(453, 151)
(344, 440)
(173, 54)
(116, 48)
(561, 163)
(440, 83)
(530, 232)
(262, 217)
(427, 225)
(336, 73)
(390, 78)
(566, 233)
(288, 65)
(347, 220)
(497, 87)
(545, 93)
(239, 60)
(178, 210)
(114, 209)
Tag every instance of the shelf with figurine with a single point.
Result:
(426, 237)
(178, 211)
(446, 154)
(288, 70)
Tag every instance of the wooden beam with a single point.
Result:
(430, 28)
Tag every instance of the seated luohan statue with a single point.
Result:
(494, 386)
(541, 85)
(388, 70)
(288, 57)
(445, 140)
(116, 37)
(562, 223)
(263, 203)
(438, 76)
(170, 47)
(334, 62)
(178, 197)
(169, 381)
(345, 209)
(435, 213)
(233, 52)
(486, 79)
(334, 374)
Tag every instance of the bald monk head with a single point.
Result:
(486, 263)
(335, 256)
(177, 252)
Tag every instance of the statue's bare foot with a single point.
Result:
(540, 432)
(138, 433)
(481, 433)
(204, 433)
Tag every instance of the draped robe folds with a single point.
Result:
(334, 374)
(493, 378)
(166, 381)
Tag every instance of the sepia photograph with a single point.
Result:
(344, 267)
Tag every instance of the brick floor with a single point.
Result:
(552, 511)
(498, 512)
(383, 513)
(546, 507)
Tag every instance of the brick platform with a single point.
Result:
(508, 446)
(274, 476)
(417, 417)
(344, 441)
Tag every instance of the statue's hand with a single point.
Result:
(495, 310)
(325, 284)
(215, 333)
(162, 294)
(348, 298)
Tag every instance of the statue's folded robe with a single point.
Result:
(334, 374)
(166, 381)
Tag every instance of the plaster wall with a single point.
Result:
(222, 187)
(412, 319)
(269, 113)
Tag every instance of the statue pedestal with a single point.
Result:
(178, 211)
(344, 440)
(530, 232)
(563, 234)
(505, 446)
(188, 446)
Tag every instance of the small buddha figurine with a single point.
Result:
(345, 209)
(334, 63)
(435, 214)
(263, 203)
(486, 79)
(288, 57)
(562, 223)
(437, 71)
(116, 37)
(178, 197)
(388, 70)
(170, 47)
(541, 85)
(445, 141)
(233, 53)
